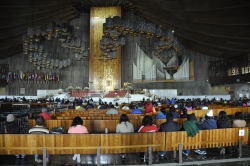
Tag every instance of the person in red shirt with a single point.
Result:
(45, 114)
(148, 107)
(147, 126)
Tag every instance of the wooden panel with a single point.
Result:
(206, 138)
(99, 69)
(80, 143)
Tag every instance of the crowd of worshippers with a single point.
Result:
(191, 126)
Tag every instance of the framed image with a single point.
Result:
(22, 91)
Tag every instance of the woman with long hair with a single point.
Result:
(124, 126)
(77, 127)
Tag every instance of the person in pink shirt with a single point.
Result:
(45, 114)
(77, 127)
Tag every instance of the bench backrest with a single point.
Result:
(206, 138)
(81, 143)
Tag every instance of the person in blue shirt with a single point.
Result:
(173, 111)
(136, 110)
(173, 101)
(161, 114)
(167, 101)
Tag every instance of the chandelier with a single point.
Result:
(59, 30)
(115, 30)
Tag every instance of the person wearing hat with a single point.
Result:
(11, 127)
(209, 123)
(45, 114)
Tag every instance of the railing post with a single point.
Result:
(174, 155)
(180, 153)
(150, 155)
(45, 157)
(98, 156)
(240, 148)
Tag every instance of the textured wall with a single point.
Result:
(78, 73)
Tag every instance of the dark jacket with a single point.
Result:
(11, 128)
(169, 126)
(224, 123)
(183, 115)
(209, 124)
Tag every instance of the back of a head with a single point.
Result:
(222, 115)
(239, 115)
(163, 110)
(124, 118)
(191, 117)
(172, 109)
(44, 109)
(40, 121)
(77, 121)
(169, 116)
(147, 120)
(112, 106)
(184, 111)
(10, 118)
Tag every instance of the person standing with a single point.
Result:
(112, 110)
(39, 129)
(77, 127)
(11, 127)
(148, 107)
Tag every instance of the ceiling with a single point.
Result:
(219, 28)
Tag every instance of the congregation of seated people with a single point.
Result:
(191, 125)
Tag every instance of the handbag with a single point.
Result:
(58, 130)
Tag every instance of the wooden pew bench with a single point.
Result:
(206, 139)
(81, 144)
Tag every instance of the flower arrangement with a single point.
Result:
(129, 88)
(51, 95)
(142, 92)
(78, 88)
(59, 92)
(86, 88)
(70, 88)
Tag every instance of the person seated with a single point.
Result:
(161, 114)
(192, 127)
(117, 105)
(124, 126)
(140, 105)
(112, 110)
(11, 127)
(184, 113)
(170, 124)
(189, 107)
(77, 127)
(90, 104)
(125, 107)
(147, 126)
(80, 107)
(39, 129)
(209, 123)
(173, 111)
(223, 121)
(136, 110)
(45, 114)
(239, 120)
(102, 106)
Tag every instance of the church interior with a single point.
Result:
(57, 53)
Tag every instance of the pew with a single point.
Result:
(82, 144)
(120, 143)
(98, 126)
(206, 139)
